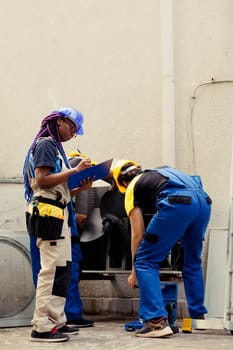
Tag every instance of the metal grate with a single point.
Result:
(16, 286)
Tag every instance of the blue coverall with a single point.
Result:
(185, 221)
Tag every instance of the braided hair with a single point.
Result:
(48, 127)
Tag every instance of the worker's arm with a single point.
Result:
(137, 231)
(45, 179)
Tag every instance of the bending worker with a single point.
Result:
(182, 213)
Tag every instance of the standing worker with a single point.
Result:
(46, 173)
(182, 213)
(74, 304)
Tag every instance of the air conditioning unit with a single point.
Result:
(17, 292)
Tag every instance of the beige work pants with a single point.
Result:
(53, 281)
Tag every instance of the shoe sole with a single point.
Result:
(69, 333)
(49, 340)
(80, 325)
(163, 333)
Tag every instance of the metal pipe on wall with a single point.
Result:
(11, 180)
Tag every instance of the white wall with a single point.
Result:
(13, 207)
(99, 56)
(105, 58)
(203, 33)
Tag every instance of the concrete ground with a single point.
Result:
(111, 335)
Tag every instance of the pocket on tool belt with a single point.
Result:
(44, 220)
(180, 200)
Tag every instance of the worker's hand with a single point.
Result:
(132, 279)
(84, 164)
(81, 220)
(86, 183)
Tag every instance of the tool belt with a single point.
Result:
(44, 218)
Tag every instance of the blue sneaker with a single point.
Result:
(133, 325)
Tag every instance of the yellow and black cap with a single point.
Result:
(123, 167)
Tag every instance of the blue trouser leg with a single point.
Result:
(74, 305)
(192, 271)
(149, 309)
(169, 224)
(35, 258)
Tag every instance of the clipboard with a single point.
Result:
(97, 172)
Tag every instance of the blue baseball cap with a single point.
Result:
(75, 116)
